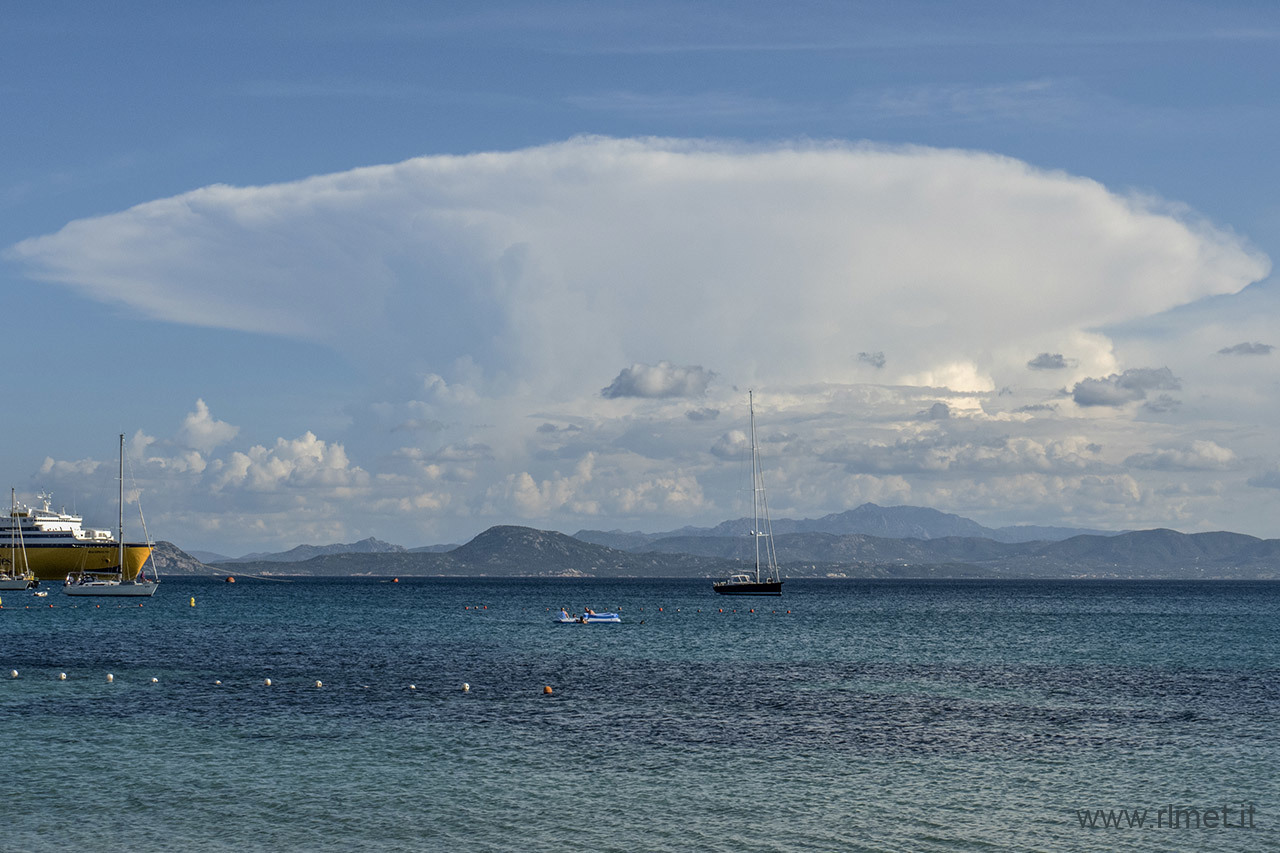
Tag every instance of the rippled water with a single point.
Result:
(847, 715)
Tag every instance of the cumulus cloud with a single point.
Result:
(1119, 389)
(68, 468)
(304, 462)
(663, 379)
(875, 359)
(1050, 361)
(201, 431)
(769, 259)
(528, 497)
(937, 454)
(1247, 349)
(1200, 455)
(732, 445)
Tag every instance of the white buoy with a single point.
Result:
(13, 673)
(413, 687)
(110, 678)
(155, 681)
(319, 683)
(217, 683)
(466, 688)
(62, 676)
(266, 682)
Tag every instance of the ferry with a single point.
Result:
(57, 544)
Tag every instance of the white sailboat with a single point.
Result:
(15, 571)
(113, 583)
(767, 579)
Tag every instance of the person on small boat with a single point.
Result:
(564, 614)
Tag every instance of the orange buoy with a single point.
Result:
(546, 691)
(230, 579)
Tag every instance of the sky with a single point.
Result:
(412, 270)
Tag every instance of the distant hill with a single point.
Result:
(209, 556)
(1156, 553)
(503, 551)
(306, 552)
(869, 541)
(897, 522)
(509, 551)
(169, 559)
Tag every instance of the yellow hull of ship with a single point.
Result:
(55, 562)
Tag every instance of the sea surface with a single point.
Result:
(847, 715)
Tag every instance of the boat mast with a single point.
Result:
(756, 533)
(121, 534)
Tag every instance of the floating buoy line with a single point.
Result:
(191, 602)
(110, 678)
(546, 689)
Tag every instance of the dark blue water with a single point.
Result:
(847, 715)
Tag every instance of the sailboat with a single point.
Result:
(767, 579)
(15, 571)
(113, 582)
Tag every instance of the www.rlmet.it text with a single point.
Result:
(1239, 816)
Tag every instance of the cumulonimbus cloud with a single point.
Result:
(761, 263)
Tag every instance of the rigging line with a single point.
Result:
(146, 537)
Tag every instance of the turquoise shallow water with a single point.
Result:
(891, 715)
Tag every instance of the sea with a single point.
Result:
(846, 715)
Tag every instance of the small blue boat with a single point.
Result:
(586, 618)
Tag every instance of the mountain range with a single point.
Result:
(896, 522)
(807, 549)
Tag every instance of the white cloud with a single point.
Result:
(762, 263)
(1201, 455)
(304, 462)
(530, 499)
(60, 468)
(200, 431)
(937, 453)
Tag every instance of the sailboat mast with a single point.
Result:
(755, 483)
(121, 534)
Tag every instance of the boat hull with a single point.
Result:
(55, 562)
(143, 589)
(598, 617)
(753, 588)
(16, 583)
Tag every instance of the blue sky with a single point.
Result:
(408, 271)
